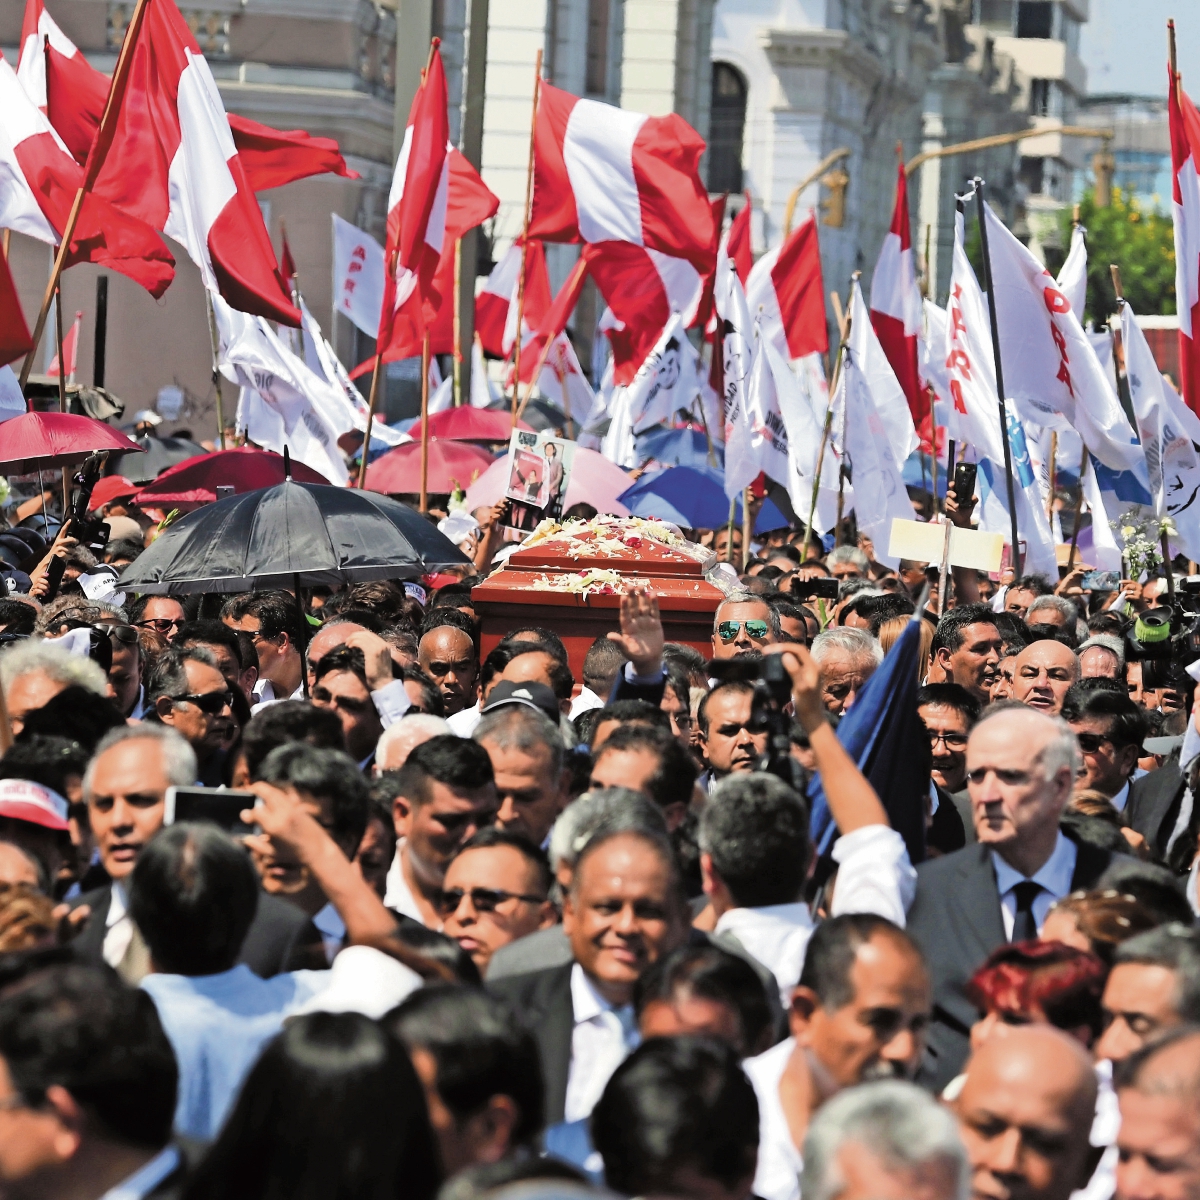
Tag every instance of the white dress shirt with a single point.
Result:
(779, 1162)
(1055, 877)
(398, 894)
(332, 929)
(146, 1178)
(585, 702)
(264, 693)
(462, 723)
(391, 702)
(776, 935)
(602, 1038)
(118, 932)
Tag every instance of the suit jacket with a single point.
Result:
(1153, 803)
(956, 920)
(277, 941)
(622, 689)
(542, 1002)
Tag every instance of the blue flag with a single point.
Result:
(884, 735)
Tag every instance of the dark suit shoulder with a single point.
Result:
(934, 872)
(278, 937)
(95, 899)
(533, 989)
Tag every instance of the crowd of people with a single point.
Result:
(460, 923)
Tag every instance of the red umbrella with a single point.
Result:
(451, 464)
(38, 441)
(467, 424)
(189, 484)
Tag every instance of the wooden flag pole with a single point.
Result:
(746, 528)
(537, 85)
(1172, 61)
(94, 163)
(1083, 462)
(366, 446)
(216, 371)
(425, 423)
(991, 295)
(457, 347)
(62, 387)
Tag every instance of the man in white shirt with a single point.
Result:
(601, 665)
(274, 622)
(1110, 730)
(87, 1088)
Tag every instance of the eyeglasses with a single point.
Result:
(484, 900)
(212, 703)
(123, 633)
(1089, 743)
(160, 624)
(953, 741)
(728, 630)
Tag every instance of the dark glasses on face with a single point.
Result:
(209, 702)
(126, 634)
(484, 900)
(728, 630)
(1089, 743)
(160, 624)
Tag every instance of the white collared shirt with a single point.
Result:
(146, 1178)
(777, 1176)
(602, 1039)
(462, 723)
(264, 693)
(776, 935)
(398, 894)
(118, 924)
(332, 929)
(584, 702)
(1055, 877)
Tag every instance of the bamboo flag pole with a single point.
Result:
(457, 347)
(214, 341)
(425, 423)
(1083, 462)
(991, 295)
(62, 386)
(91, 171)
(537, 84)
(746, 528)
(366, 446)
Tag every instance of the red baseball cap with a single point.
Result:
(23, 800)
(110, 488)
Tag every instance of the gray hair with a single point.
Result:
(418, 728)
(179, 759)
(1060, 604)
(857, 643)
(604, 811)
(1175, 947)
(896, 1122)
(1104, 641)
(33, 657)
(77, 606)
(1062, 747)
(751, 598)
(848, 554)
(519, 727)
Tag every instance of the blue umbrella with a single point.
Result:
(691, 497)
(916, 473)
(678, 448)
(769, 517)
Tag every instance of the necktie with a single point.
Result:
(1024, 926)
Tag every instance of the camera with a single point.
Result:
(815, 589)
(1166, 640)
(88, 531)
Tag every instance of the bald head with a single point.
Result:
(1025, 1112)
(398, 741)
(1042, 674)
(1159, 1140)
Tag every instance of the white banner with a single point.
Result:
(357, 275)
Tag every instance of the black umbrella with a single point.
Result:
(290, 535)
(160, 453)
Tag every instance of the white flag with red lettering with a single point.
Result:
(1072, 277)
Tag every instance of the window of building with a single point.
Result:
(1045, 98)
(1035, 19)
(996, 15)
(727, 124)
(597, 47)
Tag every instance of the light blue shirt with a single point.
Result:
(218, 1026)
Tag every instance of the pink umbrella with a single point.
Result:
(451, 465)
(594, 480)
(194, 482)
(37, 441)
(467, 424)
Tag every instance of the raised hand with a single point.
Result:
(641, 635)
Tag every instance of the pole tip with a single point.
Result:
(287, 464)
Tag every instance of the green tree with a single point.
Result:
(1139, 241)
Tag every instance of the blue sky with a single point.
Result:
(1124, 45)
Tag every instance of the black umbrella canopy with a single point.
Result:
(159, 454)
(292, 533)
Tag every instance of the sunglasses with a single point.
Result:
(125, 634)
(160, 624)
(484, 900)
(1089, 743)
(212, 703)
(728, 630)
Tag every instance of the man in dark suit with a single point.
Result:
(1154, 805)
(125, 788)
(87, 1086)
(1021, 765)
(624, 911)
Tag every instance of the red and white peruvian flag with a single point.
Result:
(787, 297)
(60, 81)
(642, 288)
(737, 245)
(602, 174)
(70, 351)
(496, 304)
(39, 181)
(14, 333)
(169, 159)
(896, 305)
(1185, 165)
(553, 320)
